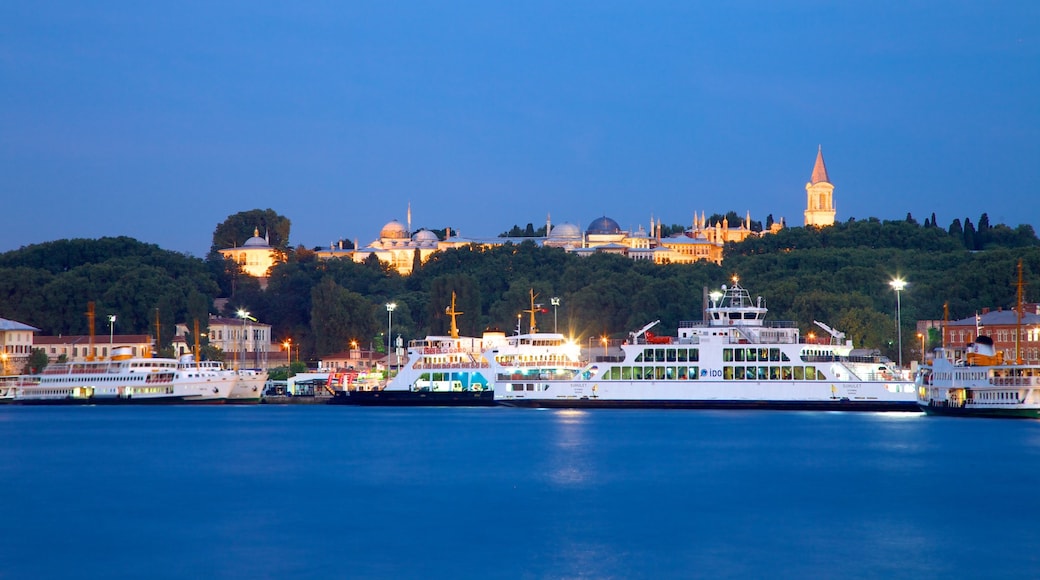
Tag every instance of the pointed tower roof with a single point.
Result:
(819, 171)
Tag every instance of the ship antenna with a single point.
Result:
(532, 310)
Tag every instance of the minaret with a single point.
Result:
(819, 209)
(548, 224)
(409, 218)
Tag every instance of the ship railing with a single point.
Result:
(758, 324)
(426, 365)
(542, 363)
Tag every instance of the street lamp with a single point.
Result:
(603, 339)
(921, 336)
(555, 301)
(244, 315)
(898, 285)
(111, 331)
(288, 351)
(389, 329)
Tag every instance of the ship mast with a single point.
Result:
(1018, 318)
(197, 347)
(532, 310)
(90, 323)
(450, 311)
(946, 322)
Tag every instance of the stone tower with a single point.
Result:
(819, 210)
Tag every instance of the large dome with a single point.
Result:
(603, 225)
(393, 230)
(565, 231)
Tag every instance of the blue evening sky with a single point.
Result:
(158, 120)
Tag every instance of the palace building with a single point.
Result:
(255, 256)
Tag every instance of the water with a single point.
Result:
(304, 491)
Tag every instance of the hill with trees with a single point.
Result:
(838, 275)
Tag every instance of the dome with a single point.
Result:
(425, 236)
(565, 231)
(256, 241)
(393, 231)
(603, 225)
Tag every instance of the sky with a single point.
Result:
(159, 120)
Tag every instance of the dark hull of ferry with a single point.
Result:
(117, 401)
(834, 405)
(415, 398)
(982, 413)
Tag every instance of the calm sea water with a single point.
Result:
(305, 491)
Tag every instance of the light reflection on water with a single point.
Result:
(448, 493)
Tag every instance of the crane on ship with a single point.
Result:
(838, 336)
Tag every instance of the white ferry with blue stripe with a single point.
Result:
(733, 359)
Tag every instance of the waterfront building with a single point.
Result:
(16, 344)
(1002, 326)
(819, 209)
(255, 256)
(81, 348)
(246, 343)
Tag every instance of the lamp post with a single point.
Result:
(898, 285)
(555, 301)
(603, 339)
(921, 336)
(111, 331)
(288, 351)
(244, 315)
(389, 329)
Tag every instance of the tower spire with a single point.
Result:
(819, 171)
(409, 218)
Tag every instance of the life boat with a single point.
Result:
(652, 338)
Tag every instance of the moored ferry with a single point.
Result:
(733, 359)
(121, 380)
(206, 381)
(976, 382)
(458, 370)
(439, 370)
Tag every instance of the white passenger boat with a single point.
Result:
(976, 382)
(123, 379)
(460, 371)
(249, 386)
(733, 359)
(204, 381)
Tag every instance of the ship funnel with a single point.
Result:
(122, 353)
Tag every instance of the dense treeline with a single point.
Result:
(49, 285)
(838, 275)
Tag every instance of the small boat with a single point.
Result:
(977, 382)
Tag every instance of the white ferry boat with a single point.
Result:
(977, 382)
(122, 379)
(460, 371)
(249, 386)
(205, 381)
(734, 359)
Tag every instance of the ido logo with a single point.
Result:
(713, 373)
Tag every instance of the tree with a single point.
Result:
(338, 316)
(37, 362)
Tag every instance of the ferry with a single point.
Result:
(249, 386)
(456, 370)
(976, 382)
(205, 381)
(122, 379)
(732, 359)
